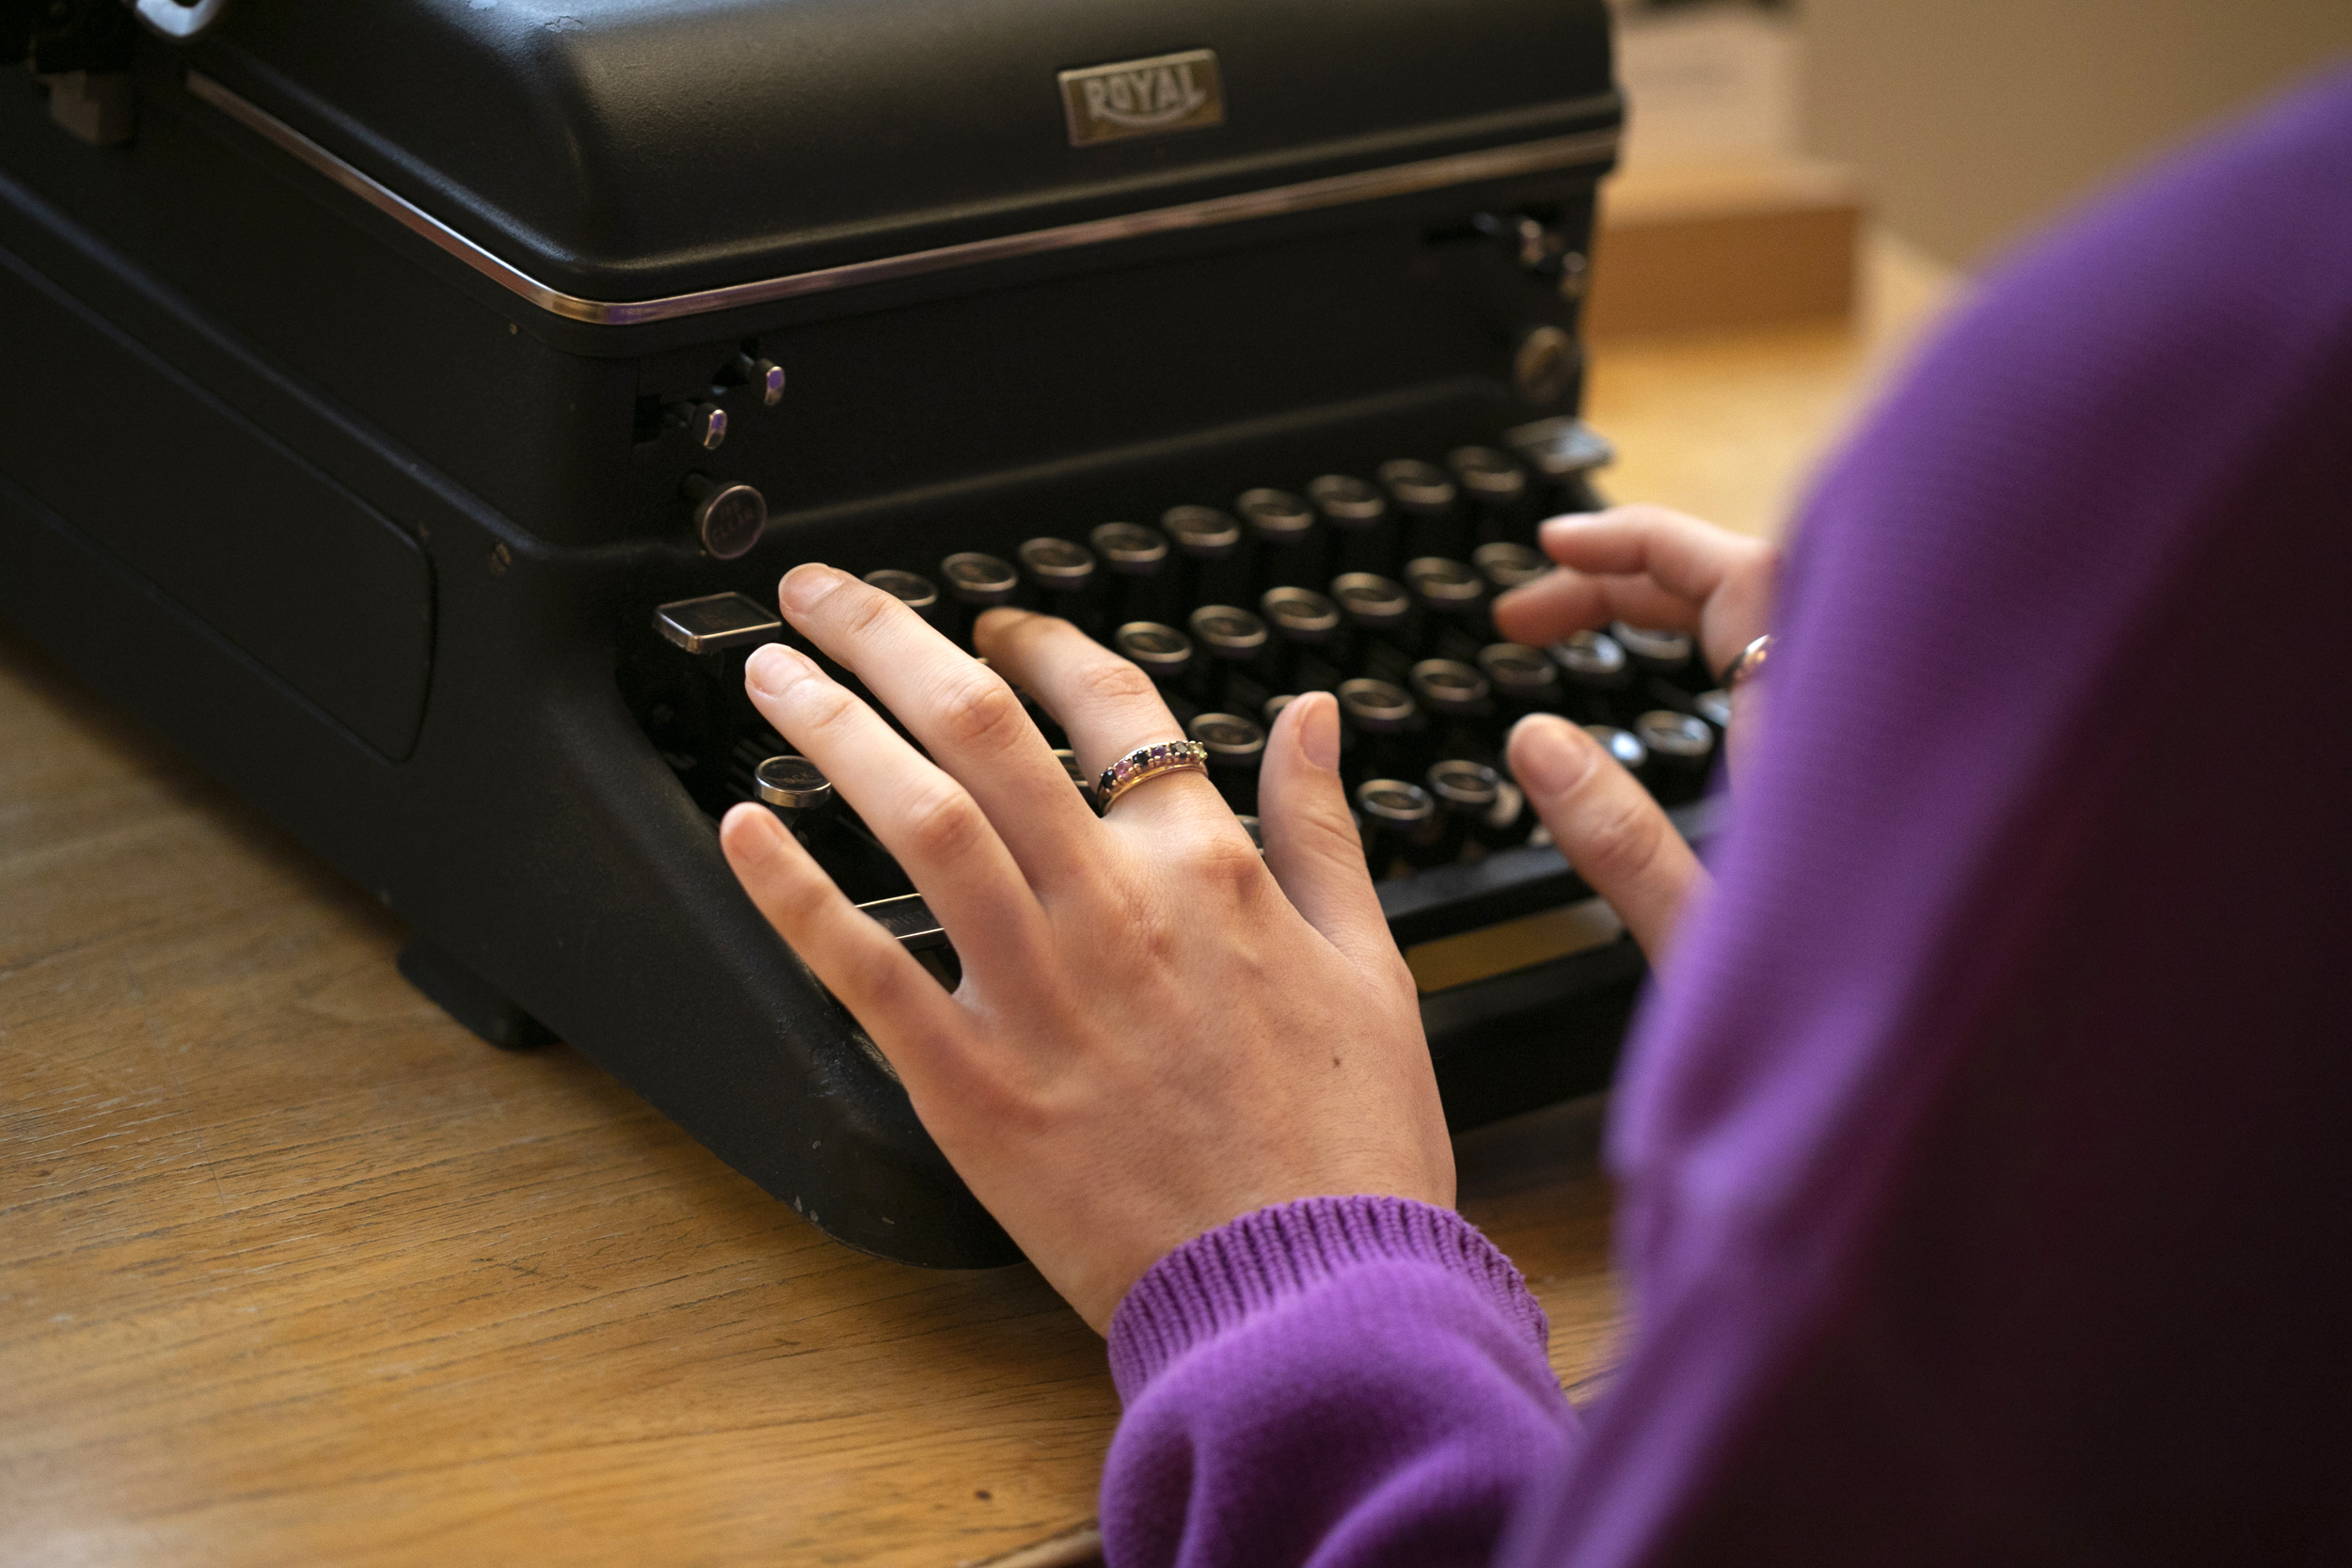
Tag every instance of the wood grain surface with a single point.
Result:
(293, 1270)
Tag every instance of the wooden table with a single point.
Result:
(293, 1270)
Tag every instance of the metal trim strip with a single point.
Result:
(1535, 157)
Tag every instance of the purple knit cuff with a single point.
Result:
(1216, 1282)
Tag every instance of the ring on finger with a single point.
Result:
(1145, 763)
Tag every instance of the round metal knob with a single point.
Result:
(793, 784)
(728, 518)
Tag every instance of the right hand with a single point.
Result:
(1649, 567)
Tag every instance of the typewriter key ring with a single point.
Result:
(1145, 762)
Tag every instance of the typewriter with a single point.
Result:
(408, 407)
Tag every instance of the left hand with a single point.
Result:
(1157, 1030)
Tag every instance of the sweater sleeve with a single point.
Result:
(1335, 1381)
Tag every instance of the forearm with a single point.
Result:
(1338, 1381)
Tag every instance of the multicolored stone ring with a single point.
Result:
(1148, 762)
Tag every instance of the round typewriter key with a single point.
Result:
(915, 591)
(1211, 567)
(1375, 707)
(1622, 744)
(1236, 746)
(1593, 659)
(1715, 707)
(1136, 583)
(1507, 821)
(1492, 477)
(1507, 565)
(791, 786)
(728, 518)
(1130, 549)
(1678, 736)
(1663, 652)
(1203, 533)
(1450, 687)
(1372, 603)
(1228, 632)
(1680, 747)
(1465, 791)
(1058, 565)
(1163, 652)
(1395, 816)
(979, 579)
(1346, 501)
(1300, 614)
(1277, 516)
(1523, 678)
(1453, 595)
(1420, 488)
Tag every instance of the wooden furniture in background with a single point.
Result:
(293, 1270)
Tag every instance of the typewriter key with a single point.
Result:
(1507, 565)
(1450, 687)
(1395, 815)
(1383, 720)
(1210, 565)
(1283, 529)
(1593, 660)
(1137, 584)
(1234, 641)
(978, 582)
(1659, 652)
(1715, 707)
(1423, 493)
(1622, 744)
(1508, 821)
(791, 787)
(1376, 607)
(915, 591)
(1465, 792)
(1523, 678)
(1305, 625)
(1492, 477)
(1236, 746)
(1163, 652)
(1680, 747)
(1454, 596)
(1058, 574)
(1363, 534)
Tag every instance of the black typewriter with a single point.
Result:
(408, 407)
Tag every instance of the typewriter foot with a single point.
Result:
(470, 999)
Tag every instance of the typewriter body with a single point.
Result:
(393, 393)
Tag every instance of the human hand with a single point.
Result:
(1649, 567)
(1157, 1030)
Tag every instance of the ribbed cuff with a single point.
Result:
(1215, 1282)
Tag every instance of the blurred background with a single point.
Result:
(1807, 184)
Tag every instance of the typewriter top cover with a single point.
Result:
(630, 151)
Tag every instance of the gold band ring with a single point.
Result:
(1148, 762)
(1751, 659)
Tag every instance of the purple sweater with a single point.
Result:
(1987, 1171)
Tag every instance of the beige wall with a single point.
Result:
(1972, 120)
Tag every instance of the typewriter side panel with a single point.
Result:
(519, 822)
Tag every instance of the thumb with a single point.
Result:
(1311, 845)
(1611, 830)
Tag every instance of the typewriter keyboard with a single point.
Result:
(1374, 587)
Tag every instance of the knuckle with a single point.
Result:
(868, 613)
(943, 823)
(1113, 681)
(979, 710)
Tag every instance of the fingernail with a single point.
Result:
(803, 586)
(773, 670)
(1319, 731)
(1546, 757)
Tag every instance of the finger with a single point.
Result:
(1612, 831)
(1566, 601)
(1107, 706)
(1311, 841)
(962, 712)
(1728, 575)
(879, 981)
(924, 818)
